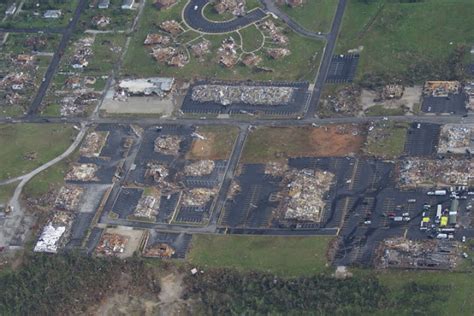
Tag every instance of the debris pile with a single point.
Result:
(346, 101)
(111, 244)
(82, 172)
(441, 88)
(171, 56)
(68, 198)
(274, 32)
(236, 7)
(76, 104)
(199, 168)
(82, 52)
(160, 250)
(456, 139)
(251, 60)
(392, 91)
(408, 254)
(198, 196)
(202, 48)
(227, 53)
(276, 169)
(93, 144)
(234, 189)
(147, 207)
(278, 53)
(157, 39)
(306, 190)
(168, 145)
(171, 26)
(254, 95)
(100, 21)
(469, 90)
(55, 234)
(445, 172)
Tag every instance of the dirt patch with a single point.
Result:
(203, 148)
(215, 143)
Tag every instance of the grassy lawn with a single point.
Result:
(6, 192)
(45, 141)
(407, 40)
(387, 140)
(119, 19)
(380, 110)
(19, 43)
(314, 15)
(252, 38)
(218, 144)
(107, 50)
(286, 256)
(302, 64)
(212, 15)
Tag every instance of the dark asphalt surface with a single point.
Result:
(195, 19)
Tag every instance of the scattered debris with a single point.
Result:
(147, 208)
(346, 101)
(441, 88)
(93, 144)
(68, 198)
(160, 250)
(251, 60)
(156, 171)
(155, 39)
(198, 196)
(274, 32)
(168, 145)
(82, 172)
(456, 139)
(392, 91)
(111, 244)
(199, 168)
(236, 7)
(202, 48)
(227, 53)
(276, 169)
(171, 26)
(100, 21)
(278, 53)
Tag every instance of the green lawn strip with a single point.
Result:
(211, 14)
(252, 38)
(6, 192)
(314, 15)
(47, 141)
(380, 110)
(286, 256)
(412, 41)
(391, 143)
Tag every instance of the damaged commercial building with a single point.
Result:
(441, 88)
(68, 198)
(456, 139)
(168, 145)
(198, 196)
(306, 190)
(253, 95)
(111, 244)
(82, 172)
(428, 173)
(55, 234)
(147, 208)
(159, 250)
(402, 253)
(199, 168)
(156, 171)
(93, 144)
(158, 86)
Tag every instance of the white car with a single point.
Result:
(196, 8)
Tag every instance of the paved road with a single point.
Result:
(193, 17)
(270, 6)
(326, 60)
(35, 105)
(13, 222)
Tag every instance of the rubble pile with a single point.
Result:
(55, 234)
(276, 169)
(93, 144)
(171, 26)
(82, 172)
(199, 168)
(82, 52)
(455, 138)
(274, 32)
(171, 56)
(427, 254)
(424, 172)
(234, 189)
(441, 88)
(13, 83)
(345, 101)
(198, 196)
(111, 244)
(147, 207)
(227, 53)
(236, 7)
(278, 53)
(469, 90)
(392, 91)
(156, 171)
(251, 60)
(254, 95)
(202, 48)
(168, 145)
(76, 104)
(23, 59)
(68, 198)
(160, 250)
(100, 21)
(306, 190)
(157, 39)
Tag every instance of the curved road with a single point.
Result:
(194, 18)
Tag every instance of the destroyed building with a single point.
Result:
(199, 168)
(159, 250)
(227, 53)
(171, 56)
(168, 145)
(235, 7)
(100, 21)
(441, 88)
(251, 60)
(469, 90)
(171, 26)
(68, 198)
(345, 101)
(456, 139)
(429, 173)
(82, 172)
(276, 168)
(111, 244)
(392, 91)
(147, 207)
(198, 196)
(201, 48)
(157, 39)
(93, 144)
(278, 53)
(82, 52)
(275, 32)
(157, 173)
(306, 191)
(148, 86)
(253, 95)
(55, 234)
(403, 253)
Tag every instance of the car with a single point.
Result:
(196, 8)
(385, 118)
(463, 239)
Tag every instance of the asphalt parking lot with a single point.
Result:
(342, 68)
(422, 139)
(454, 104)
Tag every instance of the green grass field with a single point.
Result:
(286, 256)
(17, 141)
(252, 38)
(389, 141)
(408, 40)
(314, 15)
(302, 64)
(6, 192)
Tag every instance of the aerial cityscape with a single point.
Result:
(221, 157)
